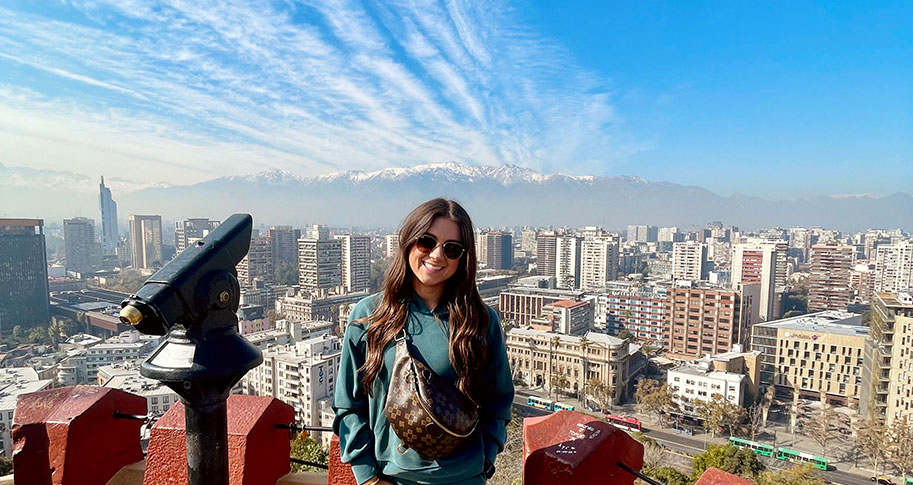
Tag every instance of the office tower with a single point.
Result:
(356, 261)
(319, 264)
(284, 240)
(689, 261)
(757, 262)
(520, 304)
(567, 261)
(829, 282)
(640, 233)
(894, 267)
(496, 249)
(818, 354)
(391, 245)
(598, 262)
(109, 236)
(79, 244)
(706, 319)
(23, 274)
(317, 231)
(258, 263)
(189, 231)
(545, 253)
(146, 241)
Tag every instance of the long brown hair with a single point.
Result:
(469, 318)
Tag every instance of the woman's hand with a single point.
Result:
(384, 482)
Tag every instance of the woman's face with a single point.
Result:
(432, 270)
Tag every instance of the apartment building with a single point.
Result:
(706, 319)
(829, 283)
(814, 355)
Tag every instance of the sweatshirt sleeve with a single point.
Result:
(496, 414)
(356, 439)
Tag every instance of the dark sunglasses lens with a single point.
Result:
(453, 250)
(426, 243)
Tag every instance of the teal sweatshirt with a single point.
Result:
(368, 442)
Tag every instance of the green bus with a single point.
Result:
(908, 481)
(800, 457)
(757, 448)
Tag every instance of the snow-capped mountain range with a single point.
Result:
(494, 196)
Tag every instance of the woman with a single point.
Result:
(430, 289)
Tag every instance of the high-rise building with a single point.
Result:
(669, 234)
(567, 261)
(109, 235)
(317, 231)
(598, 262)
(257, 263)
(813, 355)
(546, 253)
(704, 319)
(82, 253)
(528, 241)
(23, 274)
(829, 283)
(643, 311)
(894, 267)
(888, 357)
(189, 231)
(497, 249)
(520, 304)
(391, 245)
(757, 262)
(689, 261)
(146, 241)
(319, 264)
(641, 233)
(356, 261)
(284, 240)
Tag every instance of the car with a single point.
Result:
(882, 480)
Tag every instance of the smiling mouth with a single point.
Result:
(432, 267)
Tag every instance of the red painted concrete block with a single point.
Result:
(339, 473)
(258, 451)
(715, 476)
(570, 447)
(59, 435)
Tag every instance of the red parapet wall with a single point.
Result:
(70, 435)
(339, 473)
(258, 451)
(574, 448)
(715, 476)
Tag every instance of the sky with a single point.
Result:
(773, 99)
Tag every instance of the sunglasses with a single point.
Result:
(427, 243)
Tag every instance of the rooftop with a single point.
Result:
(828, 321)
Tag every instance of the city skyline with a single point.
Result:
(805, 100)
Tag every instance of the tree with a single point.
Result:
(668, 475)
(55, 331)
(719, 413)
(767, 401)
(552, 345)
(509, 463)
(626, 335)
(6, 466)
(17, 332)
(560, 385)
(819, 427)
(601, 392)
(796, 475)
(38, 335)
(900, 444)
(654, 397)
(742, 462)
(755, 421)
(285, 273)
(306, 448)
(871, 438)
(584, 346)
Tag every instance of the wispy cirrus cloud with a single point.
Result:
(189, 89)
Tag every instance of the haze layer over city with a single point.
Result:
(692, 220)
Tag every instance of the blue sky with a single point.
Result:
(776, 99)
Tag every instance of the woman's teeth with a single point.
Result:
(433, 267)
